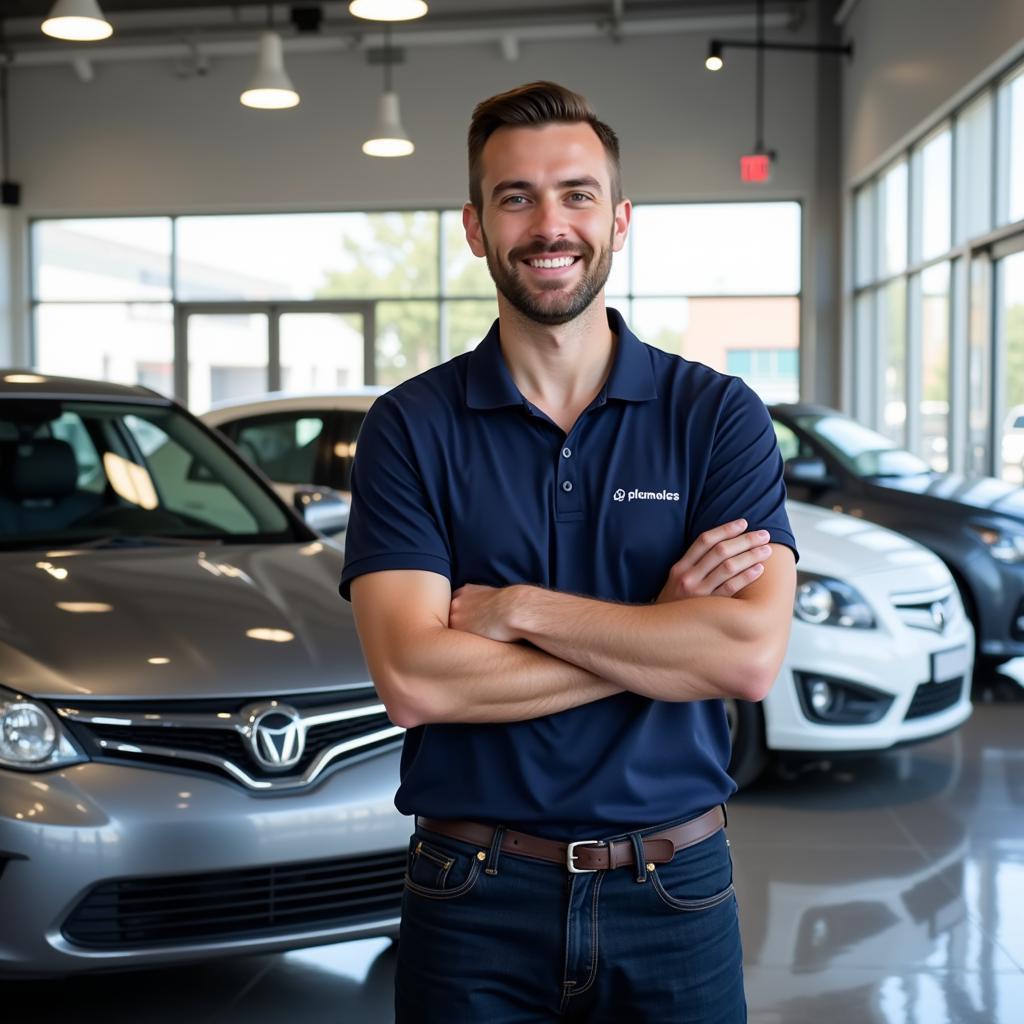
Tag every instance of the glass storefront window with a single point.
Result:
(864, 234)
(307, 256)
(1011, 145)
(1010, 339)
(466, 323)
(716, 249)
(934, 408)
(892, 220)
(407, 340)
(892, 338)
(974, 170)
(96, 259)
(932, 197)
(123, 342)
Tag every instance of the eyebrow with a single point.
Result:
(526, 186)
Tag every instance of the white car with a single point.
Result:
(881, 652)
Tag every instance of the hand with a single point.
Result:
(719, 563)
(483, 610)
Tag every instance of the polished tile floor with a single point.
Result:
(877, 891)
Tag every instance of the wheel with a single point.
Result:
(746, 732)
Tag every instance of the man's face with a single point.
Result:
(548, 225)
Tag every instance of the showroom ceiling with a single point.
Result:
(140, 20)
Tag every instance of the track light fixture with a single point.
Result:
(78, 20)
(714, 60)
(389, 137)
(388, 10)
(270, 88)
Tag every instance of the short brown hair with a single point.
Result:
(533, 105)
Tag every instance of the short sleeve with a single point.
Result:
(392, 524)
(744, 477)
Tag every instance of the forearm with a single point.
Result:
(682, 650)
(452, 676)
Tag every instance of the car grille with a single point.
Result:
(931, 698)
(219, 738)
(281, 899)
(933, 609)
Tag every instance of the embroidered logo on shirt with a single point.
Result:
(621, 495)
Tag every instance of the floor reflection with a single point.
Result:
(875, 890)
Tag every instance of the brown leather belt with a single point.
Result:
(585, 854)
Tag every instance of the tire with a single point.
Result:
(746, 731)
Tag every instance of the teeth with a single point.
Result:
(561, 261)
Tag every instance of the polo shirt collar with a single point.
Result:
(489, 384)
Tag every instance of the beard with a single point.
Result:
(550, 305)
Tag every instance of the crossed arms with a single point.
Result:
(719, 628)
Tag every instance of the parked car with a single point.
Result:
(843, 686)
(880, 653)
(298, 439)
(975, 524)
(193, 760)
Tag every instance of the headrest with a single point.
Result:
(43, 468)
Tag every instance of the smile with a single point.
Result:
(552, 263)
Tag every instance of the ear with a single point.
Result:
(474, 230)
(623, 213)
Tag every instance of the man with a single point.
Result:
(552, 586)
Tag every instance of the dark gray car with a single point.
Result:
(193, 761)
(974, 523)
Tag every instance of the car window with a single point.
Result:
(861, 450)
(790, 445)
(70, 428)
(82, 470)
(343, 454)
(284, 445)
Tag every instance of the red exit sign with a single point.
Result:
(755, 167)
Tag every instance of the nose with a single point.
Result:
(548, 222)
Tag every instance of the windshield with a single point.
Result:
(81, 472)
(862, 451)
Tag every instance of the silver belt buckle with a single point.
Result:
(570, 856)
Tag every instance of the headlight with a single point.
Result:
(31, 738)
(824, 601)
(1006, 545)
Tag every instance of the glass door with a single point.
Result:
(226, 351)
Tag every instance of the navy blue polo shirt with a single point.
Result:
(457, 473)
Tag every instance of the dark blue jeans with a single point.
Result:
(533, 943)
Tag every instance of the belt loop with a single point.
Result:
(725, 817)
(641, 857)
(492, 857)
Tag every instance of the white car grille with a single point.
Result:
(932, 609)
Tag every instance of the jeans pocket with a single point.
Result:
(697, 878)
(440, 868)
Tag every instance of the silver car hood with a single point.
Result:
(176, 622)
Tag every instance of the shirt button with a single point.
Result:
(566, 453)
(567, 486)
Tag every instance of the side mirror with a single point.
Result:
(807, 470)
(322, 508)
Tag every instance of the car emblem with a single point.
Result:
(277, 736)
(938, 616)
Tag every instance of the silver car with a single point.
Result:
(193, 761)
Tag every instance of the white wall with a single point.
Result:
(138, 139)
(910, 58)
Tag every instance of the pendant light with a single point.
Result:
(79, 20)
(388, 10)
(389, 137)
(270, 88)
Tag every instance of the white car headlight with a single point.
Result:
(824, 601)
(1005, 545)
(31, 738)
